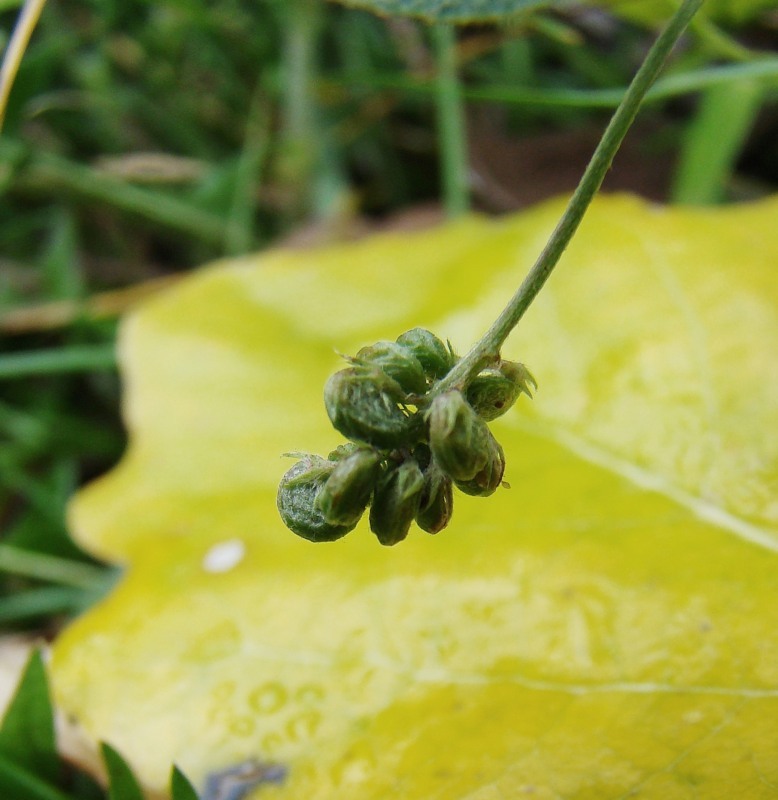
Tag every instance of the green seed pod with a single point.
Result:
(492, 392)
(459, 438)
(296, 501)
(365, 407)
(488, 479)
(345, 495)
(343, 451)
(422, 455)
(520, 375)
(398, 362)
(395, 502)
(437, 501)
(434, 356)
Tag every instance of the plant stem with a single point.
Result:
(302, 154)
(302, 30)
(451, 122)
(25, 25)
(488, 348)
(239, 232)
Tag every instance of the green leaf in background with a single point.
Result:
(646, 12)
(122, 783)
(27, 733)
(451, 10)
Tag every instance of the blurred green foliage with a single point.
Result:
(30, 767)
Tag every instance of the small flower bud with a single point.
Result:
(492, 392)
(487, 480)
(397, 362)
(395, 502)
(296, 501)
(437, 501)
(345, 495)
(365, 407)
(434, 356)
(459, 438)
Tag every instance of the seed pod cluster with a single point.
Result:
(409, 442)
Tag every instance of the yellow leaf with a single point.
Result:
(605, 627)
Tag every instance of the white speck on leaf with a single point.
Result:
(224, 556)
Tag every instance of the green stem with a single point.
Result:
(451, 122)
(239, 233)
(488, 348)
(302, 28)
(46, 362)
(302, 154)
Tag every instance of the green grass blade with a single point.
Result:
(22, 606)
(714, 140)
(46, 567)
(85, 358)
(60, 262)
(17, 783)
(240, 223)
(180, 788)
(451, 122)
(27, 733)
(53, 175)
(764, 70)
(123, 785)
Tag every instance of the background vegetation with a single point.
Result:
(143, 139)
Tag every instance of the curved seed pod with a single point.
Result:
(398, 362)
(488, 479)
(395, 502)
(492, 392)
(345, 495)
(364, 406)
(437, 501)
(459, 438)
(434, 356)
(296, 501)
(520, 375)
(342, 451)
